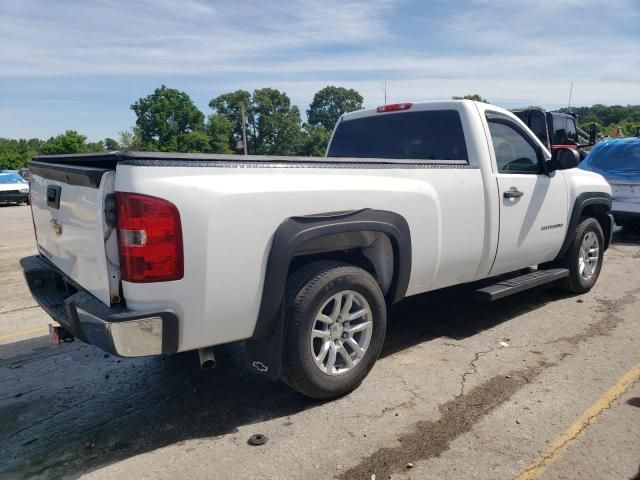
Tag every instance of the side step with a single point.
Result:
(509, 286)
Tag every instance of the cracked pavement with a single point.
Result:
(462, 390)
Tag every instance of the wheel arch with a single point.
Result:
(331, 232)
(590, 204)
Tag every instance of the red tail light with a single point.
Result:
(149, 239)
(394, 107)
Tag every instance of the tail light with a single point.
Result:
(394, 107)
(149, 239)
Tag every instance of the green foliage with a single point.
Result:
(229, 106)
(273, 124)
(331, 102)
(69, 142)
(130, 140)
(166, 118)
(111, 145)
(219, 130)
(475, 97)
(197, 141)
(14, 154)
(608, 118)
(314, 142)
(276, 121)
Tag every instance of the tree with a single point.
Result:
(277, 122)
(474, 97)
(331, 102)
(68, 142)
(315, 139)
(95, 146)
(273, 124)
(230, 106)
(130, 140)
(166, 116)
(14, 154)
(197, 141)
(111, 144)
(219, 130)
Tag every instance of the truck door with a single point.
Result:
(533, 205)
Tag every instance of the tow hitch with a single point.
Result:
(58, 334)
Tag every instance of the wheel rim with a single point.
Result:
(589, 256)
(341, 333)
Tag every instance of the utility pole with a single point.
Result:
(570, 93)
(244, 129)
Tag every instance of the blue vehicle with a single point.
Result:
(618, 160)
(13, 188)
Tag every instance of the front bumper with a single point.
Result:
(14, 196)
(116, 330)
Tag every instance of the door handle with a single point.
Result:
(513, 192)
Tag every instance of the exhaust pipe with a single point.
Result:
(207, 358)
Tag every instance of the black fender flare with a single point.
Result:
(583, 201)
(265, 345)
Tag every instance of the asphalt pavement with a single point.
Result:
(538, 385)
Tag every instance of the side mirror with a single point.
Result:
(593, 133)
(563, 159)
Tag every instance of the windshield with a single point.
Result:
(11, 177)
(424, 135)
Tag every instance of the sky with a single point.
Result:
(74, 64)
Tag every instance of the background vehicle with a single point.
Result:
(13, 188)
(300, 256)
(618, 160)
(557, 129)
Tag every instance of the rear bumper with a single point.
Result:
(626, 209)
(116, 330)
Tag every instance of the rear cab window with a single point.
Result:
(420, 135)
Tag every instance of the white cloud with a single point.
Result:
(514, 53)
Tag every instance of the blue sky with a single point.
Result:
(72, 64)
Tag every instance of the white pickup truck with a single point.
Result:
(156, 253)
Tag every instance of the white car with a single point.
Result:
(156, 253)
(13, 188)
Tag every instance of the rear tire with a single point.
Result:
(335, 324)
(584, 257)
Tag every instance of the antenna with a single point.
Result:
(570, 93)
(384, 90)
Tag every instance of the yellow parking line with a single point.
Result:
(589, 416)
(23, 332)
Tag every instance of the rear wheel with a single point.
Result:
(584, 257)
(335, 328)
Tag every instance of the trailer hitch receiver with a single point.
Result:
(58, 334)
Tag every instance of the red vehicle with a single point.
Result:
(557, 129)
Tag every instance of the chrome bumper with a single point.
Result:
(119, 331)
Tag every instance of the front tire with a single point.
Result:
(335, 324)
(584, 257)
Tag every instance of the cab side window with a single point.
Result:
(514, 153)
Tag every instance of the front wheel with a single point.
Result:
(584, 257)
(335, 327)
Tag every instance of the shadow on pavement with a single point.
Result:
(70, 409)
(626, 236)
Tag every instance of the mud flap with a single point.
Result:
(265, 355)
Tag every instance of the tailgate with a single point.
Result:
(68, 205)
